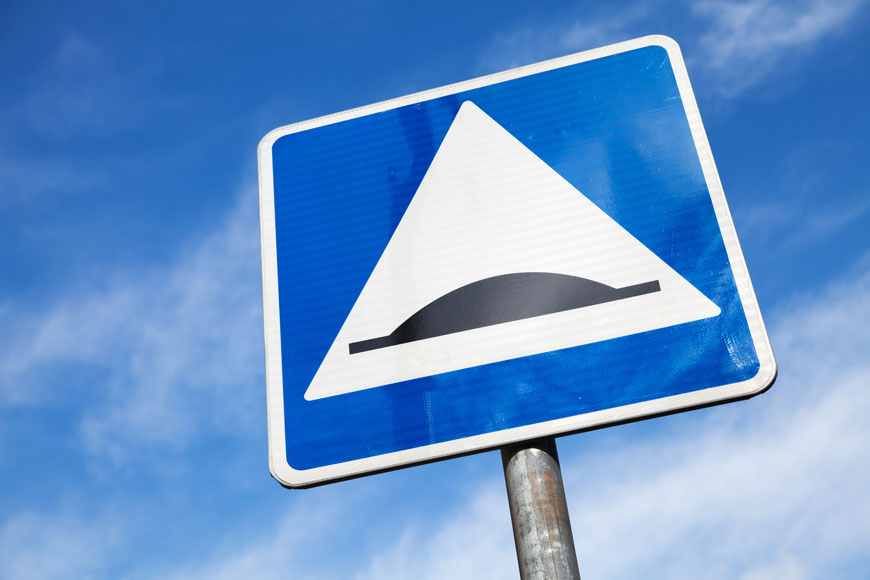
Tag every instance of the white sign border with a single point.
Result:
(295, 478)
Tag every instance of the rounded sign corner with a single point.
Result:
(670, 46)
(287, 476)
(269, 139)
(663, 41)
(764, 378)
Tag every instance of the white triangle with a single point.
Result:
(488, 206)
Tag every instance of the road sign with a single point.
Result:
(535, 252)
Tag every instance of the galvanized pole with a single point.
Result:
(539, 512)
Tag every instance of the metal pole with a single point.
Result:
(539, 512)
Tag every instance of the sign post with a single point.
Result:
(534, 253)
(539, 511)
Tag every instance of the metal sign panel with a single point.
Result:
(526, 254)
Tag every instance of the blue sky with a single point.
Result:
(132, 397)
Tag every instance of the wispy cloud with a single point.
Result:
(80, 94)
(295, 549)
(180, 347)
(734, 46)
(744, 42)
(475, 542)
(800, 221)
(82, 89)
(25, 180)
(34, 546)
(773, 488)
(544, 40)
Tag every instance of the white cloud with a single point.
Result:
(733, 46)
(798, 222)
(786, 567)
(37, 546)
(578, 31)
(81, 93)
(282, 552)
(23, 180)
(83, 89)
(181, 347)
(319, 539)
(476, 542)
(76, 90)
(746, 41)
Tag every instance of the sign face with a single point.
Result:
(531, 253)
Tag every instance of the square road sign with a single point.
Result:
(531, 253)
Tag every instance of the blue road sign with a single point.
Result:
(532, 253)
